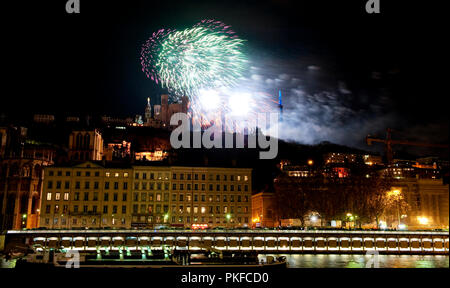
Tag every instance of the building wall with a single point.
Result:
(263, 210)
(190, 195)
(173, 196)
(21, 182)
(87, 195)
(3, 135)
(85, 145)
(427, 198)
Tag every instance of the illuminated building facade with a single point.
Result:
(98, 196)
(86, 195)
(86, 145)
(182, 196)
(21, 185)
(3, 135)
(428, 202)
(263, 210)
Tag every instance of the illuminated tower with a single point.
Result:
(280, 105)
(148, 111)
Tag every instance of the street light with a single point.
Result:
(422, 220)
(228, 219)
(396, 194)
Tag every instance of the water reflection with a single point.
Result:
(360, 261)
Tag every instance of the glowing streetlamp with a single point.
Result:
(396, 195)
(423, 220)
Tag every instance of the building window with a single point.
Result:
(125, 175)
(47, 209)
(124, 197)
(116, 185)
(108, 174)
(105, 197)
(86, 196)
(95, 196)
(57, 196)
(124, 209)
(49, 184)
(66, 196)
(125, 185)
(49, 196)
(105, 209)
(115, 197)
(106, 185)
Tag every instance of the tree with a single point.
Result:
(291, 198)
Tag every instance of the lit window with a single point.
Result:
(57, 196)
(203, 210)
(49, 196)
(116, 174)
(107, 174)
(66, 196)
(125, 174)
(245, 178)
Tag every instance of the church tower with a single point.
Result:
(148, 111)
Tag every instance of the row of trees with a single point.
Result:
(365, 193)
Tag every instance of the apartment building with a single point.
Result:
(101, 195)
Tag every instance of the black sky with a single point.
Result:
(89, 62)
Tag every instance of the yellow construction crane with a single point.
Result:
(389, 142)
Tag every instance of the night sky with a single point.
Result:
(344, 73)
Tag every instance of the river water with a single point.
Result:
(346, 261)
(361, 261)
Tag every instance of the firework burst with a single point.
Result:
(208, 55)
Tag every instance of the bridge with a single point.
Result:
(261, 241)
